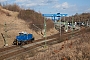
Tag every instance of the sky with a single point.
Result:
(70, 7)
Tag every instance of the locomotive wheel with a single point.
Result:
(19, 43)
(15, 42)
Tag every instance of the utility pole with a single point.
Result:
(88, 22)
(60, 27)
(72, 25)
(66, 26)
(5, 40)
(45, 31)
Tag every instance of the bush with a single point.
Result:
(32, 17)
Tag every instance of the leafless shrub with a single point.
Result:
(13, 7)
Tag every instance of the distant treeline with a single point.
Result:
(78, 17)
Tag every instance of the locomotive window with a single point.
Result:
(20, 33)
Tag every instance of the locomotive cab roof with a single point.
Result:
(22, 33)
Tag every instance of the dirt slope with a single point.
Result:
(15, 25)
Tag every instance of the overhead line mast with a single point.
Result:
(54, 16)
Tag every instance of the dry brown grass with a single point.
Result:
(16, 25)
(78, 48)
(29, 16)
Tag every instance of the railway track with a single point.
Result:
(49, 37)
(12, 47)
(18, 50)
(12, 51)
(7, 48)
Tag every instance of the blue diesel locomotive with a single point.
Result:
(23, 38)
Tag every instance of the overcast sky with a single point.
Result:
(69, 7)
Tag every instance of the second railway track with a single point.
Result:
(17, 50)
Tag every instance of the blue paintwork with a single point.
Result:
(24, 37)
(54, 15)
